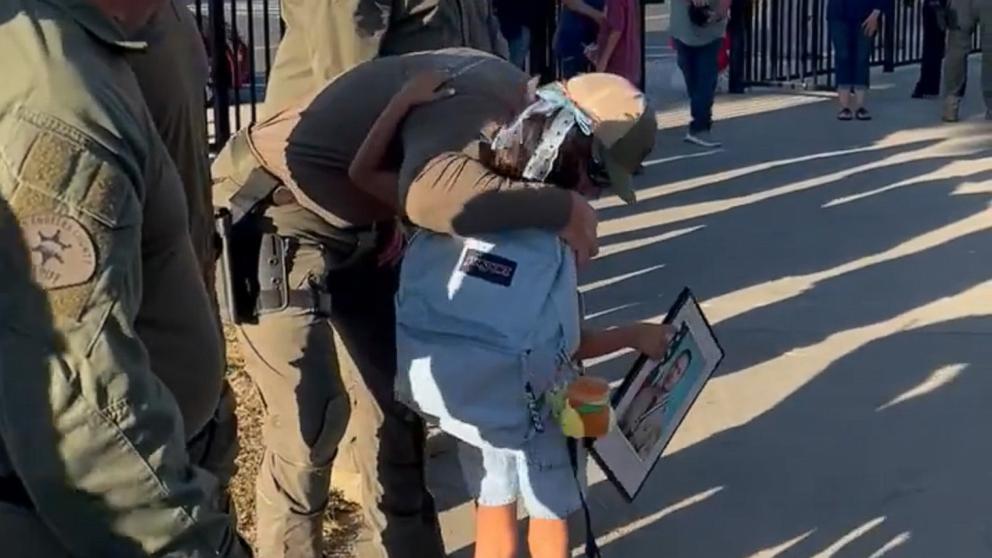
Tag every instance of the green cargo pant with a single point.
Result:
(215, 447)
(966, 16)
(315, 375)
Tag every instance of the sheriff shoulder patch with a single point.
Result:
(62, 252)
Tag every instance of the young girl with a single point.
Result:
(618, 47)
(456, 352)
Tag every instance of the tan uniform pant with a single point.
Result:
(320, 42)
(966, 17)
(315, 375)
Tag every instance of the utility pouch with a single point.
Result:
(273, 276)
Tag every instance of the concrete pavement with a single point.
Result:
(846, 269)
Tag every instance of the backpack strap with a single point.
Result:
(592, 548)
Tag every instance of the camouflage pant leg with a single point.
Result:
(383, 453)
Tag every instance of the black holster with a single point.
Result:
(237, 271)
(253, 274)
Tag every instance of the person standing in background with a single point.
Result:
(853, 25)
(698, 28)
(578, 27)
(515, 20)
(618, 48)
(325, 38)
(172, 74)
(965, 17)
(934, 46)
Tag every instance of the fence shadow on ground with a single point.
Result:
(841, 464)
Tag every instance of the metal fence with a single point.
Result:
(787, 42)
(241, 37)
(774, 42)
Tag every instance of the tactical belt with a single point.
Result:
(257, 283)
(259, 185)
(12, 492)
(271, 301)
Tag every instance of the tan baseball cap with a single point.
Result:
(624, 126)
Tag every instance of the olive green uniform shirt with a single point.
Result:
(172, 74)
(93, 241)
(325, 38)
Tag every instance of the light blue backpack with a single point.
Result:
(485, 328)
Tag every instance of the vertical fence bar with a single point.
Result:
(222, 103)
(644, 45)
(774, 53)
(889, 40)
(763, 27)
(739, 21)
(816, 50)
(267, 31)
(252, 75)
(791, 40)
(235, 83)
(802, 17)
(904, 40)
(750, 42)
(918, 17)
(829, 60)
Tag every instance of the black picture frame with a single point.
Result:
(685, 297)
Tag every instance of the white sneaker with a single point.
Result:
(702, 139)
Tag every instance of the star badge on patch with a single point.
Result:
(62, 252)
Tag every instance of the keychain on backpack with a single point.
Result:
(583, 408)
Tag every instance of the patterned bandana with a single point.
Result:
(551, 100)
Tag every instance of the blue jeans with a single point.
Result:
(573, 65)
(852, 52)
(699, 67)
(519, 47)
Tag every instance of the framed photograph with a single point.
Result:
(656, 395)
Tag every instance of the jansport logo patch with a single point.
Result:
(488, 267)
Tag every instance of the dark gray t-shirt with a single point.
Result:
(310, 147)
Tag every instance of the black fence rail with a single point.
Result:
(787, 42)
